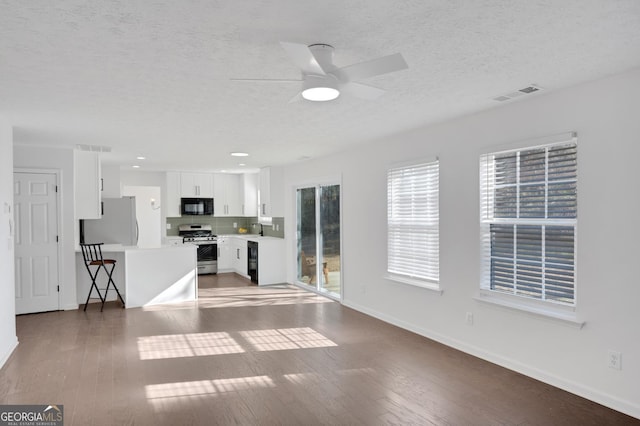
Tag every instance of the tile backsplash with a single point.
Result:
(224, 225)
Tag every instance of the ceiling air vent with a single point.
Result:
(95, 148)
(520, 92)
(529, 89)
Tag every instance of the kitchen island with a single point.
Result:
(145, 276)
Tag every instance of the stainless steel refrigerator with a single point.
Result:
(118, 224)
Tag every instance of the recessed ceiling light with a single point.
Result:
(241, 164)
(141, 158)
(223, 171)
(136, 166)
(239, 154)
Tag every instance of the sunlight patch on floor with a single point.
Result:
(256, 296)
(187, 345)
(164, 395)
(286, 338)
(223, 343)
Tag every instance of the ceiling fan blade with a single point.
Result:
(362, 91)
(266, 80)
(296, 98)
(379, 66)
(303, 58)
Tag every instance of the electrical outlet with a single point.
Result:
(235, 225)
(614, 360)
(168, 226)
(469, 318)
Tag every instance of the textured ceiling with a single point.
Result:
(153, 77)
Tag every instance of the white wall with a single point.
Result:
(8, 338)
(142, 178)
(149, 217)
(605, 116)
(60, 159)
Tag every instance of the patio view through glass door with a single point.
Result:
(318, 228)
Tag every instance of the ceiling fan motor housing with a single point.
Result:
(320, 88)
(324, 55)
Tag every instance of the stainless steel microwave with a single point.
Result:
(196, 207)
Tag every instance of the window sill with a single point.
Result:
(566, 316)
(428, 285)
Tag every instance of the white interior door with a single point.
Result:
(36, 246)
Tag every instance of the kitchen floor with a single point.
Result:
(244, 354)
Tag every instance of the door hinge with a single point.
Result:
(56, 188)
(57, 240)
(58, 289)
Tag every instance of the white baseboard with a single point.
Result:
(5, 356)
(624, 406)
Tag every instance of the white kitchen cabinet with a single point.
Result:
(264, 193)
(196, 185)
(86, 181)
(226, 194)
(249, 194)
(172, 202)
(225, 258)
(110, 185)
(271, 264)
(271, 192)
(239, 254)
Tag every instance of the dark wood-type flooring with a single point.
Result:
(271, 355)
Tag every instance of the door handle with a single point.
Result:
(238, 254)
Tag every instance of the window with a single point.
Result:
(528, 221)
(412, 221)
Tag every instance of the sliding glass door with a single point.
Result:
(318, 226)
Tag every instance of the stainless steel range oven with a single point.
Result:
(207, 243)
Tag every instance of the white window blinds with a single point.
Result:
(528, 221)
(412, 221)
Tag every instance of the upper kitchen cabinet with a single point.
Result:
(87, 184)
(196, 185)
(172, 202)
(110, 182)
(249, 194)
(271, 194)
(226, 194)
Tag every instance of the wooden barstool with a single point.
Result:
(92, 254)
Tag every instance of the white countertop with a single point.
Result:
(119, 248)
(251, 237)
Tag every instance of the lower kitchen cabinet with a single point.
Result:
(239, 255)
(225, 258)
(233, 257)
(271, 268)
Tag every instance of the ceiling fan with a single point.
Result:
(323, 81)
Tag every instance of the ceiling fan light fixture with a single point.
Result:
(320, 89)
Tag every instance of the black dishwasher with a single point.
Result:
(252, 260)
